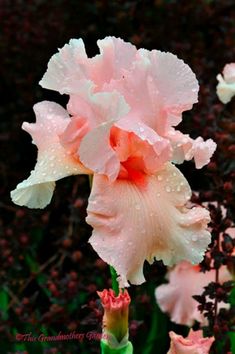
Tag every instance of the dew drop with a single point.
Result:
(159, 177)
(168, 189)
(194, 238)
(137, 207)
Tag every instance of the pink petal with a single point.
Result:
(176, 83)
(71, 137)
(141, 141)
(158, 88)
(70, 68)
(181, 145)
(115, 57)
(125, 147)
(66, 71)
(229, 73)
(99, 107)
(186, 280)
(53, 162)
(185, 148)
(225, 91)
(123, 214)
(96, 153)
(202, 151)
(193, 344)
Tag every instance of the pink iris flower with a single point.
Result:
(119, 125)
(193, 344)
(186, 280)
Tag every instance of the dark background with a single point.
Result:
(49, 274)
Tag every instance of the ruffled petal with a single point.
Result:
(133, 223)
(186, 280)
(98, 108)
(125, 147)
(66, 71)
(70, 68)
(175, 298)
(193, 344)
(185, 148)
(158, 88)
(229, 73)
(115, 57)
(96, 153)
(154, 149)
(176, 83)
(71, 138)
(53, 162)
(181, 146)
(202, 151)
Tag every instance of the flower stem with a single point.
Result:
(115, 285)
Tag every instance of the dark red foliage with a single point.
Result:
(49, 273)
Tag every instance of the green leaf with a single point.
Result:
(105, 349)
(33, 265)
(232, 339)
(4, 300)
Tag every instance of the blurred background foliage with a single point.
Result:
(49, 274)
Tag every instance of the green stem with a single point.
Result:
(115, 285)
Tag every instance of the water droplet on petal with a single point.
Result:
(168, 189)
(159, 177)
(194, 238)
(137, 207)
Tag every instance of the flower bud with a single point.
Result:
(115, 319)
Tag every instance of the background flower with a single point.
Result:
(226, 86)
(185, 281)
(193, 344)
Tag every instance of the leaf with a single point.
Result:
(105, 349)
(4, 300)
(32, 263)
